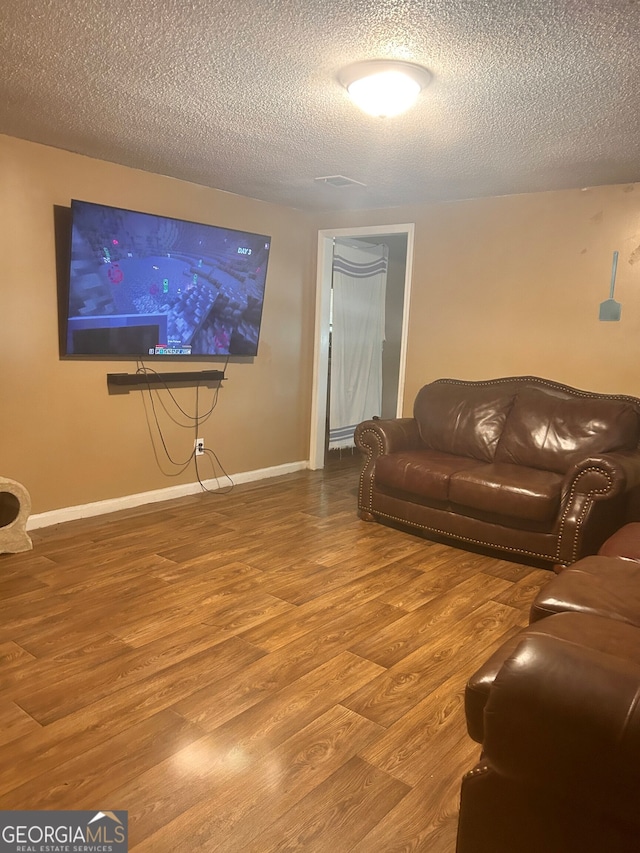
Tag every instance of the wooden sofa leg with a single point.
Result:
(366, 516)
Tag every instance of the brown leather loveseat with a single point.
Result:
(521, 464)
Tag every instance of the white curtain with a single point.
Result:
(357, 335)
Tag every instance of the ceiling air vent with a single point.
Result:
(339, 181)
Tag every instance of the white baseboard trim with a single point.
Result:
(70, 513)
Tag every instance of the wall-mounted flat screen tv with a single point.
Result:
(145, 286)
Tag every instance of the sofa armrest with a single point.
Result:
(605, 475)
(595, 496)
(567, 718)
(379, 437)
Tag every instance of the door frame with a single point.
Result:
(321, 345)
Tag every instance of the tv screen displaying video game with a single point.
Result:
(146, 286)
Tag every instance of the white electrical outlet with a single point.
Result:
(198, 446)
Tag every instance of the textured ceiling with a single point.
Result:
(241, 96)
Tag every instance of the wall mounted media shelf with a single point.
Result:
(126, 381)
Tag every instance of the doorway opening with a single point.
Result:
(398, 242)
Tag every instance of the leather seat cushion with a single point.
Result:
(421, 472)
(510, 490)
(603, 586)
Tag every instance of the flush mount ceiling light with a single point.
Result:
(384, 87)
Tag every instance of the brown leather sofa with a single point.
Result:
(521, 464)
(557, 711)
(560, 734)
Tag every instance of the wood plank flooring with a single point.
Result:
(260, 671)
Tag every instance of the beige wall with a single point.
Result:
(512, 286)
(501, 286)
(62, 435)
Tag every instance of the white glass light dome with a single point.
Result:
(384, 87)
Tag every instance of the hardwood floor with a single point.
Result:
(260, 671)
